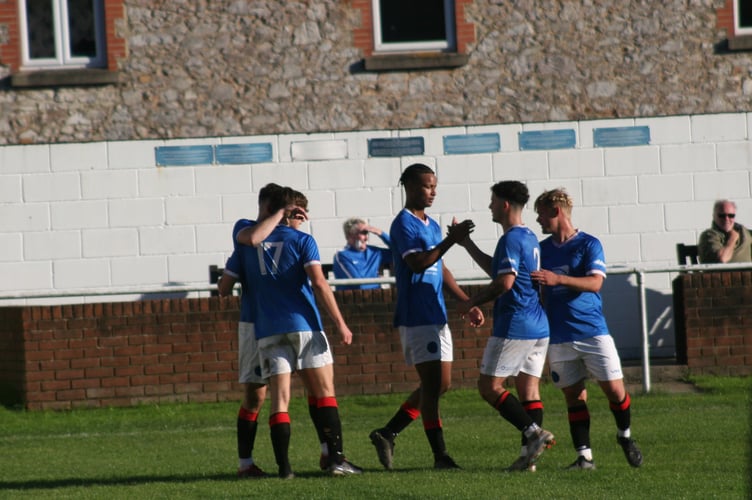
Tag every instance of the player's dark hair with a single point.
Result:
(300, 200)
(267, 191)
(413, 172)
(514, 192)
(280, 198)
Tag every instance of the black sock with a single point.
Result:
(533, 408)
(280, 432)
(404, 417)
(246, 426)
(313, 412)
(435, 435)
(579, 426)
(509, 408)
(622, 413)
(330, 427)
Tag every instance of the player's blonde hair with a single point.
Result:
(555, 198)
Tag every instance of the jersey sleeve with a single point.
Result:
(309, 250)
(240, 225)
(406, 240)
(233, 266)
(596, 259)
(386, 239)
(507, 255)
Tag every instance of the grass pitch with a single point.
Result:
(696, 445)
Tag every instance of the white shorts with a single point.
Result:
(426, 343)
(249, 363)
(570, 362)
(508, 357)
(289, 352)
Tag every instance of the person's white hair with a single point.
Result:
(719, 203)
(351, 223)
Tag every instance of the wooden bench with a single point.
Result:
(686, 252)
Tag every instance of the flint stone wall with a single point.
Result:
(200, 69)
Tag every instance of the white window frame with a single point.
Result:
(444, 45)
(63, 59)
(738, 29)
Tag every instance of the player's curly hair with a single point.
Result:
(555, 198)
(413, 172)
(514, 192)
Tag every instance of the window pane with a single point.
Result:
(745, 13)
(41, 41)
(83, 41)
(412, 20)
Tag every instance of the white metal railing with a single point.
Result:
(639, 272)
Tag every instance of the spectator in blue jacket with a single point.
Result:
(359, 259)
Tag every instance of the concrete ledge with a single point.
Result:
(415, 61)
(63, 78)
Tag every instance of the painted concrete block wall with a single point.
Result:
(104, 215)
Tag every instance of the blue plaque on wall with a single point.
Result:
(548, 139)
(239, 154)
(472, 144)
(621, 136)
(402, 146)
(181, 156)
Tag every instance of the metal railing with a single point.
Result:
(639, 273)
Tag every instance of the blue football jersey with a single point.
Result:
(349, 263)
(574, 315)
(234, 267)
(420, 299)
(276, 270)
(518, 313)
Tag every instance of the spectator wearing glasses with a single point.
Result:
(726, 241)
(359, 259)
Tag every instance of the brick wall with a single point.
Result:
(714, 321)
(173, 350)
(120, 354)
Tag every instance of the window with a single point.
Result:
(62, 42)
(735, 18)
(742, 17)
(415, 25)
(413, 34)
(62, 33)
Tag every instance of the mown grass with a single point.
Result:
(696, 445)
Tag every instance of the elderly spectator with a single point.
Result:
(359, 259)
(726, 240)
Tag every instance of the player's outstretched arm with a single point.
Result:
(420, 261)
(590, 283)
(479, 256)
(325, 297)
(474, 314)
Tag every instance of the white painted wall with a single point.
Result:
(103, 215)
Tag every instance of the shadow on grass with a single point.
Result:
(52, 484)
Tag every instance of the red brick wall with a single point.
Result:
(725, 18)
(120, 354)
(717, 317)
